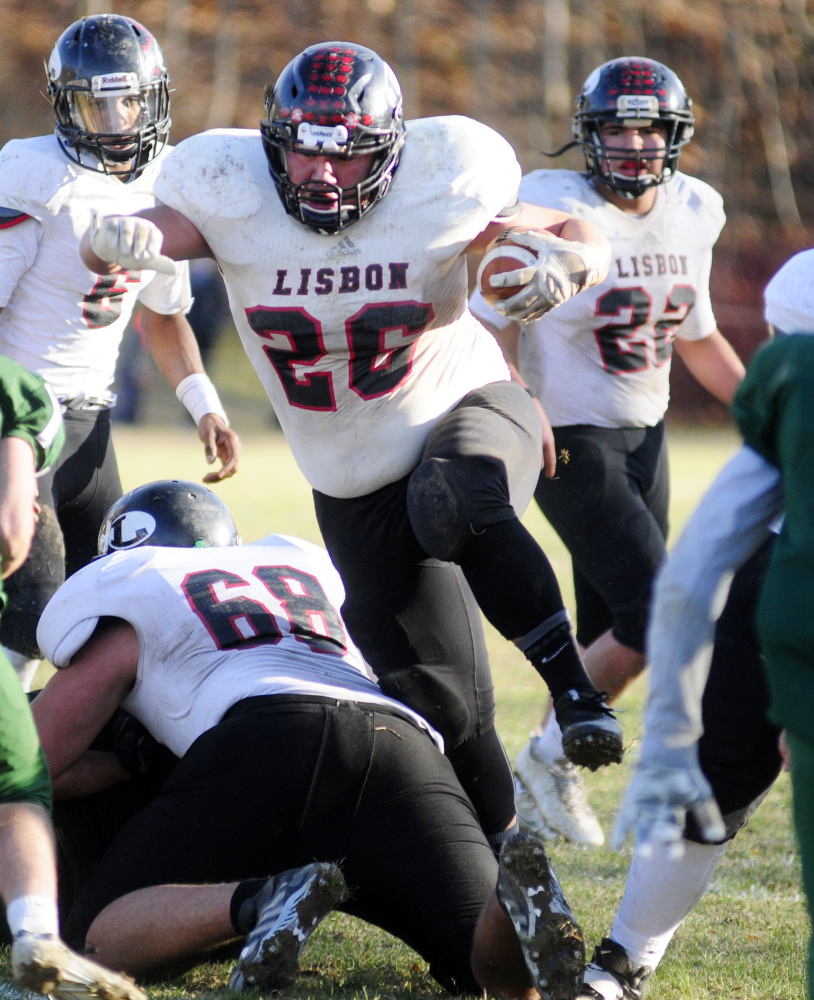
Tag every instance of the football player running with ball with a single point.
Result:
(343, 233)
(110, 90)
(600, 367)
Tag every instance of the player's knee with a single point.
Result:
(435, 696)
(735, 819)
(450, 501)
(437, 509)
(629, 629)
(733, 822)
(32, 587)
(18, 629)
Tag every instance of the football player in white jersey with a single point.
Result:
(110, 91)
(237, 659)
(600, 367)
(347, 277)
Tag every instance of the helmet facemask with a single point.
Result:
(360, 114)
(602, 159)
(636, 93)
(110, 90)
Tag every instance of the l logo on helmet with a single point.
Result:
(129, 530)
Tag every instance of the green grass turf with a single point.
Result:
(747, 937)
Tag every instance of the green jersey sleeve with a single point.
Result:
(28, 410)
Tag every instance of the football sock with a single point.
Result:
(659, 893)
(243, 907)
(497, 840)
(517, 590)
(548, 745)
(553, 652)
(32, 914)
(24, 666)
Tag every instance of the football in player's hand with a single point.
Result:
(502, 255)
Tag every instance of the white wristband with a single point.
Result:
(200, 397)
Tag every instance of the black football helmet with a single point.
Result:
(171, 512)
(110, 90)
(635, 91)
(342, 99)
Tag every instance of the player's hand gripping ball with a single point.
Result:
(503, 254)
(524, 273)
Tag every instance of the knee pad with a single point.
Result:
(436, 695)
(450, 501)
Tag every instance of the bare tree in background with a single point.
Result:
(176, 30)
(761, 66)
(556, 38)
(406, 50)
(226, 83)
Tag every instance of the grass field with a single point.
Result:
(746, 939)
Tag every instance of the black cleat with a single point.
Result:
(591, 736)
(290, 907)
(552, 943)
(611, 976)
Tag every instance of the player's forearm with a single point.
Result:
(567, 227)
(94, 772)
(173, 346)
(714, 363)
(580, 231)
(18, 493)
(730, 523)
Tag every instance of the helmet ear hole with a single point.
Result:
(627, 90)
(341, 99)
(110, 90)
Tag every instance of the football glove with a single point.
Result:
(131, 242)
(657, 802)
(564, 267)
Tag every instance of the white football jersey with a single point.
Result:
(603, 357)
(363, 340)
(59, 319)
(216, 626)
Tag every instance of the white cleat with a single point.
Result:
(528, 815)
(45, 964)
(558, 794)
